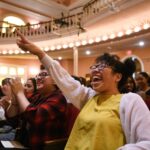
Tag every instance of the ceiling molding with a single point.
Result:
(23, 11)
(133, 13)
(41, 10)
(78, 3)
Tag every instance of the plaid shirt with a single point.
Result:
(46, 117)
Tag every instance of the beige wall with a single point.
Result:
(84, 63)
(68, 65)
(142, 54)
(28, 63)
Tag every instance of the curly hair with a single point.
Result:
(117, 66)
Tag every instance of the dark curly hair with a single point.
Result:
(117, 66)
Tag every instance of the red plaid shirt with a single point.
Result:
(46, 117)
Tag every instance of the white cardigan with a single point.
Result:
(134, 114)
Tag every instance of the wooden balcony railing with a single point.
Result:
(59, 27)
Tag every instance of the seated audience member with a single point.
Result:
(30, 87)
(2, 111)
(5, 88)
(39, 82)
(143, 85)
(45, 115)
(7, 128)
(109, 120)
(142, 81)
(129, 86)
(71, 112)
(7, 125)
(30, 90)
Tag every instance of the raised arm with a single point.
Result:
(71, 88)
(26, 45)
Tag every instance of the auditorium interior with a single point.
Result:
(74, 32)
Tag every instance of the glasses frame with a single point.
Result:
(99, 67)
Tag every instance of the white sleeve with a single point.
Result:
(72, 89)
(135, 119)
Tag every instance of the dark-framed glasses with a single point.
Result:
(99, 67)
(42, 75)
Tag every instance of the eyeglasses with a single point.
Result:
(99, 67)
(41, 75)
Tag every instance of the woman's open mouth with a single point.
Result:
(96, 79)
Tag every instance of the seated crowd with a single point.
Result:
(46, 107)
(40, 114)
(33, 122)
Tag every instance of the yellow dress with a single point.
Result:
(98, 125)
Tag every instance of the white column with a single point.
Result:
(75, 61)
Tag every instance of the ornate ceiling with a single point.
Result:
(38, 10)
(129, 14)
(65, 2)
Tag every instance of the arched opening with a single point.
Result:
(10, 21)
(138, 62)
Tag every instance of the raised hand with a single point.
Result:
(26, 45)
(16, 86)
(5, 101)
(18, 92)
